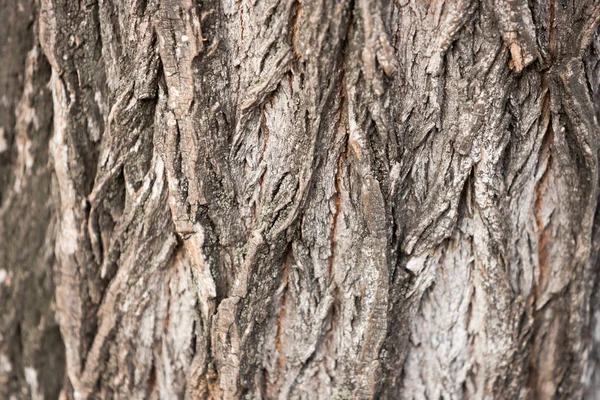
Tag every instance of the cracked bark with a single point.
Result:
(299, 199)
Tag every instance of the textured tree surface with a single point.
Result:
(299, 199)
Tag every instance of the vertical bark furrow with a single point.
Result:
(31, 350)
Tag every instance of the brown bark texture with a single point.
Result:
(299, 199)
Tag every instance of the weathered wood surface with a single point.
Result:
(299, 199)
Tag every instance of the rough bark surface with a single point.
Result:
(299, 199)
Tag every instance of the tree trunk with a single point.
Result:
(299, 199)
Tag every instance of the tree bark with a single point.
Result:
(299, 199)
